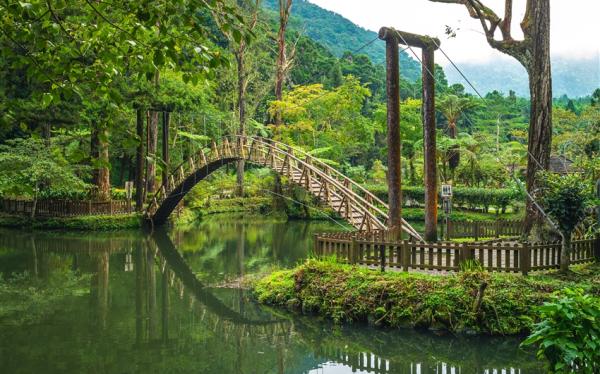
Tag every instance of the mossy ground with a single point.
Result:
(83, 223)
(346, 293)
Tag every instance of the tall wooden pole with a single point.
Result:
(394, 175)
(431, 193)
(165, 149)
(139, 161)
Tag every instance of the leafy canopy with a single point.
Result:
(565, 198)
(31, 168)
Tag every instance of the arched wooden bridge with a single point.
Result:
(362, 209)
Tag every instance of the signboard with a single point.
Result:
(446, 191)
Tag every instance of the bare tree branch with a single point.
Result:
(491, 22)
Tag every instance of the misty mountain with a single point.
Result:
(571, 77)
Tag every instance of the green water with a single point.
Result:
(157, 304)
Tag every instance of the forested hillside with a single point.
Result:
(340, 35)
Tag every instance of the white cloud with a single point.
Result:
(574, 25)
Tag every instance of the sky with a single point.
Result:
(574, 24)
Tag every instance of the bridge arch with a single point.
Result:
(363, 210)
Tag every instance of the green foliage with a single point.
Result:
(565, 198)
(568, 335)
(462, 196)
(31, 168)
(82, 223)
(471, 265)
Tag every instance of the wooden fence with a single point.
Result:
(65, 208)
(482, 229)
(382, 250)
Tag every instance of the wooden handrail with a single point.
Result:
(335, 182)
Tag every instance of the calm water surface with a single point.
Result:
(156, 304)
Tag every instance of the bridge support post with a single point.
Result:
(394, 175)
(431, 190)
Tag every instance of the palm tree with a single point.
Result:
(452, 107)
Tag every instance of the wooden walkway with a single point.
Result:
(351, 201)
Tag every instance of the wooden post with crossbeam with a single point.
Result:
(428, 45)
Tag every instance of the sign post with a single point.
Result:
(447, 206)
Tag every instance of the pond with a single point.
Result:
(162, 303)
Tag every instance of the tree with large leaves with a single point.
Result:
(452, 107)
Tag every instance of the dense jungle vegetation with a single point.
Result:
(69, 98)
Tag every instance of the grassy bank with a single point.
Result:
(345, 294)
(83, 223)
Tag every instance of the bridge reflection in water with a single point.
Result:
(148, 311)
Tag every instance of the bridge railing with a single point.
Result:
(355, 202)
(324, 177)
(351, 190)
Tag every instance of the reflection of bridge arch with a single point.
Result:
(182, 271)
(99, 248)
(359, 207)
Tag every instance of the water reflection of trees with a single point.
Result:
(150, 310)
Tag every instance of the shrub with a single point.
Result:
(568, 335)
(500, 198)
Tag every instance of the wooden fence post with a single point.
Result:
(89, 206)
(597, 248)
(382, 257)
(405, 254)
(525, 258)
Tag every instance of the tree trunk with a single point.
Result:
(152, 145)
(242, 83)
(46, 134)
(411, 166)
(430, 147)
(533, 52)
(124, 165)
(34, 205)
(100, 161)
(540, 88)
(284, 13)
(139, 161)
(565, 254)
(453, 153)
(165, 150)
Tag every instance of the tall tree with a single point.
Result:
(240, 47)
(452, 107)
(283, 60)
(100, 160)
(533, 52)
